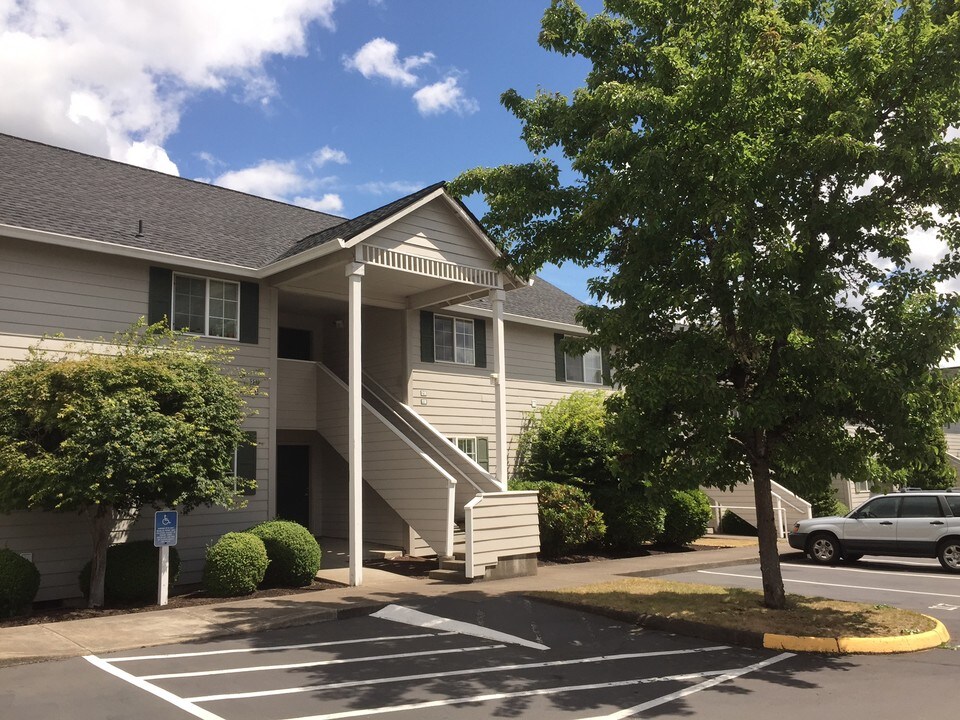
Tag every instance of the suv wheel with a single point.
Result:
(949, 554)
(825, 550)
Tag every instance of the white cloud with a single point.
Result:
(111, 78)
(380, 58)
(327, 154)
(329, 203)
(380, 187)
(444, 96)
(269, 179)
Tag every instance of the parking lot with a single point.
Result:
(911, 583)
(559, 663)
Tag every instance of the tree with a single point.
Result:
(746, 175)
(152, 419)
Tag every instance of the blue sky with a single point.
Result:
(339, 105)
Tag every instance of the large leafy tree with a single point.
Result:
(746, 174)
(153, 419)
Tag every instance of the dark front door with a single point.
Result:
(293, 483)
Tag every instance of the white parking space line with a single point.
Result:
(732, 675)
(277, 648)
(179, 702)
(450, 673)
(940, 576)
(408, 616)
(318, 663)
(521, 693)
(838, 585)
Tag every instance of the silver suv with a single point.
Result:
(910, 523)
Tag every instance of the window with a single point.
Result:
(885, 507)
(453, 340)
(475, 448)
(861, 486)
(922, 506)
(586, 368)
(206, 306)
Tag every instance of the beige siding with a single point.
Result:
(84, 295)
(296, 395)
(434, 231)
(382, 351)
(500, 525)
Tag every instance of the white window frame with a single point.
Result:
(206, 305)
(569, 360)
(456, 322)
(861, 486)
(455, 440)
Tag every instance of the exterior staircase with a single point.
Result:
(788, 507)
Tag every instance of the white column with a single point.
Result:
(500, 385)
(355, 422)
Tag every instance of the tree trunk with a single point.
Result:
(102, 523)
(773, 595)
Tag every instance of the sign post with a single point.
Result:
(164, 535)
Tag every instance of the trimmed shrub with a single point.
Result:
(19, 582)
(132, 569)
(294, 553)
(687, 516)
(632, 518)
(568, 519)
(235, 565)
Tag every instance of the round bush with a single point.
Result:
(632, 518)
(235, 565)
(294, 553)
(687, 515)
(19, 582)
(568, 519)
(132, 569)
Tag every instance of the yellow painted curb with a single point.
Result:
(845, 645)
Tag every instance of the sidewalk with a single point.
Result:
(34, 643)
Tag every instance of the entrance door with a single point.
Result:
(293, 483)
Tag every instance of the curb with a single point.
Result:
(770, 641)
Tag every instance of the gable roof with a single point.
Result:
(48, 188)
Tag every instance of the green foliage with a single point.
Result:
(687, 515)
(568, 520)
(19, 582)
(235, 565)
(294, 553)
(733, 524)
(567, 442)
(132, 572)
(746, 177)
(104, 429)
(152, 421)
(633, 517)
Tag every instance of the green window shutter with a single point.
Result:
(247, 461)
(483, 453)
(426, 337)
(480, 342)
(559, 359)
(159, 295)
(605, 367)
(249, 312)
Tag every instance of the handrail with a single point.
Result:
(384, 397)
(780, 512)
(774, 486)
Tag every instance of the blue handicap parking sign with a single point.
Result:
(165, 528)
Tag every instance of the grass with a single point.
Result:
(740, 609)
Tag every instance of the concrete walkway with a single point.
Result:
(33, 643)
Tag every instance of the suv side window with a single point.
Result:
(954, 502)
(921, 507)
(883, 507)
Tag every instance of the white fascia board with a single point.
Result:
(390, 219)
(72, 241)
(331, 246)
(521, 319)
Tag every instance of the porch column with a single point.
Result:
(355, 425)
(500, 385)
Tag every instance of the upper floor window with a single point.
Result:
(586, 368)
(206, 306)
(453, 340)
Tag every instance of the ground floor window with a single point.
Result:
(475, 448)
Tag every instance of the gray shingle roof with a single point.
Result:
(540, 300)
(48, 188)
